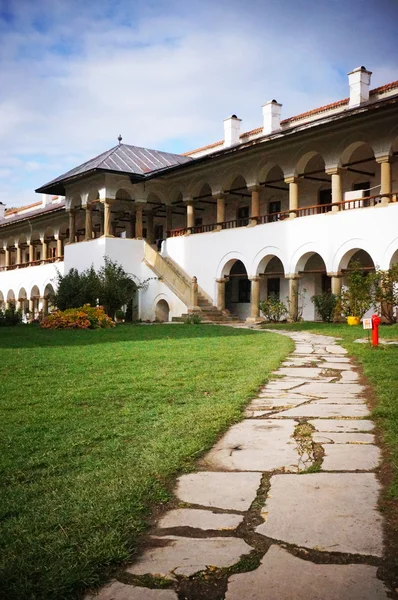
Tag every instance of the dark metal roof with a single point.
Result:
(122, 158)
(38, 212)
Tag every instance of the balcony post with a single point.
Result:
(220, 210)
(7, 251)
(72, 225)
(138, 221)
(336, 283)
(385, 178)
(149, 227)
(254, 300)
(190, 213)
(255, 203)
(60, 249)
(89, 222)
(221, 293)
(107, 202)
(44, 249)
(19, 254)
(31, 251)
(169, 218)
(337, 188)
(293, 195)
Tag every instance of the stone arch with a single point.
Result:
(230, 180)
(1, 300)
(227, 261)
(162, 311)
(23, 300)
(197, 186)
(310, 260)
(123, 194)
(304, 162)
(237, 288)
(11, 299)
(264, 257)
(356, 254)
(346, 250)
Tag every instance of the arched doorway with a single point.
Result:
(237, 289)
(23, 303)
(162, 311)
(313, 281)
(11, 301)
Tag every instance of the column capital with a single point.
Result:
(107, 200)
(336, 274)
(218, 195)
(334, 170)
(293, 276)
(254, 187)
(222, 280)
(292, 179)
(254, 278)
(383, 158)
(188, 201)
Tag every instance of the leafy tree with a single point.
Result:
(10, 316)
(385, 293)
(112, 287)
(117, 287)
(356, 299)
(273, 309)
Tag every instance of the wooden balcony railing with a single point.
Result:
(33, 263)
(305, 211)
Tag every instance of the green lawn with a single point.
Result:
(94, 427)
(380, 366)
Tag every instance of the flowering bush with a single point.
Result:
(85, 317)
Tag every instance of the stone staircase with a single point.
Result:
(180, 283)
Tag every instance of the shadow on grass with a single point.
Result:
(32, 336)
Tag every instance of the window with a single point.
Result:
(274, 287)
(274, 209)
(158, 232)
(325, 197)
(244, 290)
(326, 284)
(243, 216)
(364, 185)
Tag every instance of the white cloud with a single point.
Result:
(161, 74)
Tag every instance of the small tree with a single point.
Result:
(76, 289)
(117, 287)
(385, 293)
(356, 298)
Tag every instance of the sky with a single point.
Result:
(74, 74)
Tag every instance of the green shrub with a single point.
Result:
(84, 317)
(10, 316)
(356, 298)
(193, 319)
(325, 304)
(273, 309)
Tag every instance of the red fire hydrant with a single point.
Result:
(375, 329)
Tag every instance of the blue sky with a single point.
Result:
(76, 73)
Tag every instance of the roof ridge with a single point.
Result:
(314, 111)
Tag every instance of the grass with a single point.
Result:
(94, 427)
(380, 366)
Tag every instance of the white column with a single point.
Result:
(293, 195)
(255, 204)
(337, 188)
(385, 178)
(254, 300)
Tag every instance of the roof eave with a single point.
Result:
(58, 187)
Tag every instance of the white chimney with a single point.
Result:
(46, 199)
(271, 117)
(231, 131)
(359, 80)
(2, 211)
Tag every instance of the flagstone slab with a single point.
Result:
(336, 349)
(337, 366)
(282, 576)
(231, 491)
(351, 457)
(305, 372)
(186, 556)
(315, 388)
(116, 590)
(256, 445)
(324, 410)
(349, 376)
(343, 425)
(336, 359)
(343, 438)
(283, 384)
(341, 399)
(200, 519)
(329, 512)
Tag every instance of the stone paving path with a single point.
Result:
(288, 497)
